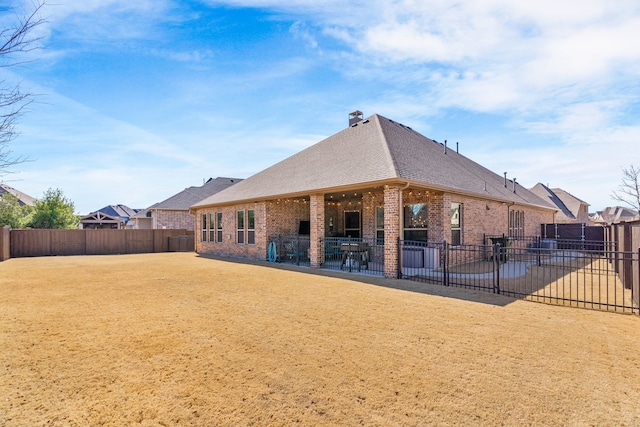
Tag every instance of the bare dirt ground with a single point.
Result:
(177, 339)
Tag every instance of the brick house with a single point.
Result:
(376, 179)
(173, 213)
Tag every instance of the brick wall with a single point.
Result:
(272, 218)
(173, 219)
(392, 214)
(316, 208)
(481, 217)
(229, 246)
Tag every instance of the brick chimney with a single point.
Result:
(355, 117)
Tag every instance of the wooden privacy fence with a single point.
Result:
(30, 243)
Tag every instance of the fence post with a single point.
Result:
(445, 261)
(399, 250)
(635, 297)
(496, 268)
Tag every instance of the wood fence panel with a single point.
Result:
(106, 242)
(28, 243)
(161, 238)
(5, 243)
(68, 242)
(139, 241)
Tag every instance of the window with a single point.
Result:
(212, 234)
(204, 227)
(415, 222)
(352, 223)
(240, 226)
(516, 224)
(456, 224)
(251, 227)
(379, 225)
(219, 226)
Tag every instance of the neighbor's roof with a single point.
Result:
(24, 199)
(568, 204)
(616, 214)
(187, 197)
(372, 152)
(121, 211)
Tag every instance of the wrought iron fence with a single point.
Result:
(289, 249)
(353, 254)
(576, 274)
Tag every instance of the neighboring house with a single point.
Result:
(173, 213)
(112, 216)
(570, 208)
(377, 180)
(23, 198)
(615, 215)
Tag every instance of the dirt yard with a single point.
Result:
(177, 339)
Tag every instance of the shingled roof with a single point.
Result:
(23, 199)
(568, 204)
(372, 152)
(187, 197)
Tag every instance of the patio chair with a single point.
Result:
(290, 251)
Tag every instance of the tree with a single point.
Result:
(15, 41)
(12, 213)
(54, 211)
(629, 191)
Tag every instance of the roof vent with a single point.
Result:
(355, 117)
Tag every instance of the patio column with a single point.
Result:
(392, 227)
(316, 255)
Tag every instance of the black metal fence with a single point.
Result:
(289, 249)
(572, 273)
(354, 254)
(587, 274)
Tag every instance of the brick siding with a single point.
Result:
(173, 219)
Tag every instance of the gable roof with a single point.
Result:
(23, 198)
(121, 211)
(187, 197)
(99, 217)
(372, 152)
(568, 204)
(616, 214)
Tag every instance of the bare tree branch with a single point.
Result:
(629, 191)
(18, 39)
(15, 41)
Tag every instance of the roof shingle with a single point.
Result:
(374, 151)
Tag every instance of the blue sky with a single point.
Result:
(139, 100)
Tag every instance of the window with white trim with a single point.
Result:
(219, 227)
(240, 227)
(204, 227)
(251, 227)
(456, 224)
(212, 232)
(516, 224)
